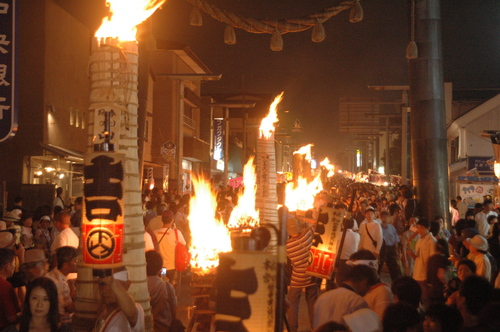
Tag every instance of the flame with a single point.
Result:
(244, 215)
(496, 169)
(302, 197)
(326, 164)
(125, 16)
(209, 236)
(305, 150)
(267, 124)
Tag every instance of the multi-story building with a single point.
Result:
(53, 88)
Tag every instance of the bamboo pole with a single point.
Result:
(114, 75)
(267, 197)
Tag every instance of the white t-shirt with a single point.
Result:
(66, 238)
(120, 323)
(166, 245)
(351, 244)
(375, 232)
(378, 298)
(426, 247)
(482, 222)
(334, 304)
(483, 265)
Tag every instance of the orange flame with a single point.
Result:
(125, 16)
(305, 150)
(326, 164)
(267, 124)
(301, 198)
(209, 236)
(244, 215)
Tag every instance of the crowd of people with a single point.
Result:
(439, 279)
(39, 253)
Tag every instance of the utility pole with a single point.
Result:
(428, 135)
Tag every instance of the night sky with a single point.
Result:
(354, 55)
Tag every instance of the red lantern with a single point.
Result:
(103, 220)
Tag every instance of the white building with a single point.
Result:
(471, 155)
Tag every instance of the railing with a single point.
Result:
(189, 122)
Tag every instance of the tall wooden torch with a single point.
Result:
(112, 225)
(267, 197)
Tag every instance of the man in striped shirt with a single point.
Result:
(298, 248)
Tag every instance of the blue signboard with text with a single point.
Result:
(8, 95)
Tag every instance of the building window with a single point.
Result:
(77, 118)
(71, 116)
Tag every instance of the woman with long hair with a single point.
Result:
(40, 310)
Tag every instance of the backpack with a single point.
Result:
(182, 255)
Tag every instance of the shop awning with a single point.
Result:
(66, 153)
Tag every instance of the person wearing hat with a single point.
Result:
(370, 231)
(120, 312)
(298, 249)
(7, 239)
(43, 239)
(3, 225)
(478, 247)
(11, 219)
(35, 264)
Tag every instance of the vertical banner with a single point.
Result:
(218, 139)
(263, 175)
(246, 291)
(326, 241)
(166, 176)
(103, 217)
(8, 92)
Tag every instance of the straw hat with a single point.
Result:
(478, 242)
(17, 213)
(34, 256)
(6, 239)
(11, 216)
